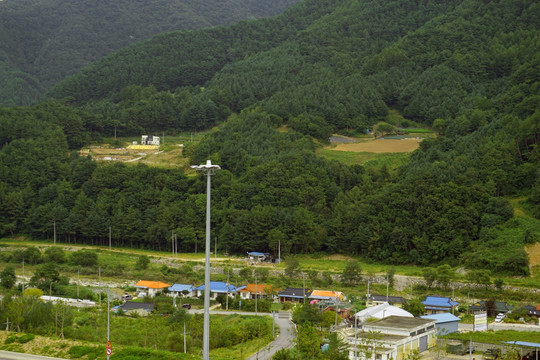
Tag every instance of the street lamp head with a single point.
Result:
(208, 166)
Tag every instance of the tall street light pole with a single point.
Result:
(209, 169)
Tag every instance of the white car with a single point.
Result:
(499, 317)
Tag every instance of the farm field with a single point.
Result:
(381, 145)
(391, 151)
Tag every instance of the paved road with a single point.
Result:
(285, 339)
(8, 355)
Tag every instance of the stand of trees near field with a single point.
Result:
(469, 68)
(42, 41)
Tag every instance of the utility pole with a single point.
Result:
(185, 347)
(227, 297)
(110, 232)
(54, 226)
(78, 281)
(256, 293)
(23, 277)
(452, 299)
(336, 311)
(215, 247)
(387, 285)
(99, 286)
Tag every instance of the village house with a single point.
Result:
(149, 140)
(150, 288)
(141, 309)
(439, 304)
(258, 256)
(217, 288)
(373, 300)
(326, 295)
(492, 307)
(261, 291)
(293, 295)
(182, 290)
(343, 309)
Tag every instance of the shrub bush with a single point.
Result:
(26, 338)
(10, 339)
(79, 351)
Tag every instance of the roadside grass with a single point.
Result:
(321, 262)
(240, 351)
(495, 337)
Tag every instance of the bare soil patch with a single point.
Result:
(381, 146)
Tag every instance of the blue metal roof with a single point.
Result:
(218, 286)
(523, 343)
(254, 253)
(442, 318)
(181, 287)
(438, 301)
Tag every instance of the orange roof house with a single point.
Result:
(250, 290)
(326, 295)
(150, 287)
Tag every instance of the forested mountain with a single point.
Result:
(469, 68)
(42, 41)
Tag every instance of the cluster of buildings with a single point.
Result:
(384, 326)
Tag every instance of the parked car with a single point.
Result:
(186, 306)
(127, 297)
(500, 317)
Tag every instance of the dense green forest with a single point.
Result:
(468, 68)
(42, 41)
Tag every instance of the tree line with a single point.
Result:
(447, 204)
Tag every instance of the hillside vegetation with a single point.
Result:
(42, 41)
(467, 68)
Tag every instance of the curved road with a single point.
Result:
(285, 339)
(8, 355)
